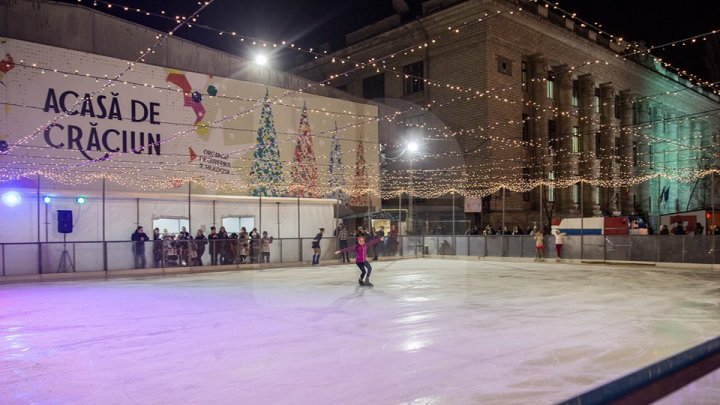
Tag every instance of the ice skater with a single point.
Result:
(539, 246)
(361, 258)
(316, 247)
(559, 239)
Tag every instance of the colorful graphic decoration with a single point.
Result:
(266, 172)
(336, 175)
(361, 179)
(304, 170)
(191, 99)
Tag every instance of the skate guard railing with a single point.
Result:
(701, 249)
(658, 380)
(48, 257)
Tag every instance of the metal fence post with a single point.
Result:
(105, 258)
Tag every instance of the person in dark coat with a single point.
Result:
(316, 247)
(139, 237)
(200, 242)
(157, 249)
(213, 238)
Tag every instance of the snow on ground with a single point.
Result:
(430, 331)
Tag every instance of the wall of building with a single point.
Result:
(470, 59)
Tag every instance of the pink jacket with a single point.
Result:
(361, 251)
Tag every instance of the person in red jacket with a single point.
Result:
(361, 258)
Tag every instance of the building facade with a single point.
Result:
(510, 94)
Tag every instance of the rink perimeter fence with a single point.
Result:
(93, 256)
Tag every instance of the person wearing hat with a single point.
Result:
(316, 247)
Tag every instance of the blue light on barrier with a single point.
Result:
(81, 200)
(47, 199)
(11, 198)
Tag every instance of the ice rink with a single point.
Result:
(429, 332)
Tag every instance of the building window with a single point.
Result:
(576, 140)
(650, 156)
(551, 86)
(233, 224)
(525, 128)
(616, 151)
(172, 225)
(413, 79)
(616, 107)
(596, 196)
(635, 154)
(597, 100)
(634, 201)
(504, 65)
(575, 93)
(524, 75)
(598, 148)
(576, 194)
(374, 86)
(551, 189)
(526, 179)
(552, 137)
(343, 88)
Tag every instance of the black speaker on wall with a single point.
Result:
(65, 222)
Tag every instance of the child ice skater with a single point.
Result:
(361, 258)
(539, 246)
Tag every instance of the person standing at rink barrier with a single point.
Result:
(539, 246)
(139, 237)
(200, 242)
(157, 249)
(213, 241)
(316, 247)
(342, 235)
(559, 239)
(361, 250)
(265, 247)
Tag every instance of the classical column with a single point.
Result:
(587, 122)
(626, 149)
(537, 67)
(607, 141)
(566, 161)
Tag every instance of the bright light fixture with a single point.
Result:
(47, 199)
(261, 59)
(81, 200)
(413, 146)
(11, 198)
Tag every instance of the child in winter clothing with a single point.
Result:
(361, 258)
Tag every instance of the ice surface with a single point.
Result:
(431, 331)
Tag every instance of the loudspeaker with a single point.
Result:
(65, 221)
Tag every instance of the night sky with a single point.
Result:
(312, 23)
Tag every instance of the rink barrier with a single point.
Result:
(656, 381)
(45, 257)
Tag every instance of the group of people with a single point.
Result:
(679, 229)
(539, 238)
(184, 249)
(489, 230)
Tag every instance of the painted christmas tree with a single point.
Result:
(266, 171)
(304, 169)
(336, 175)
(360, 189)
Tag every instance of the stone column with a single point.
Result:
(626, 149)
(537, 70)
(607, 140)
(565, 166)
(587, 118)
